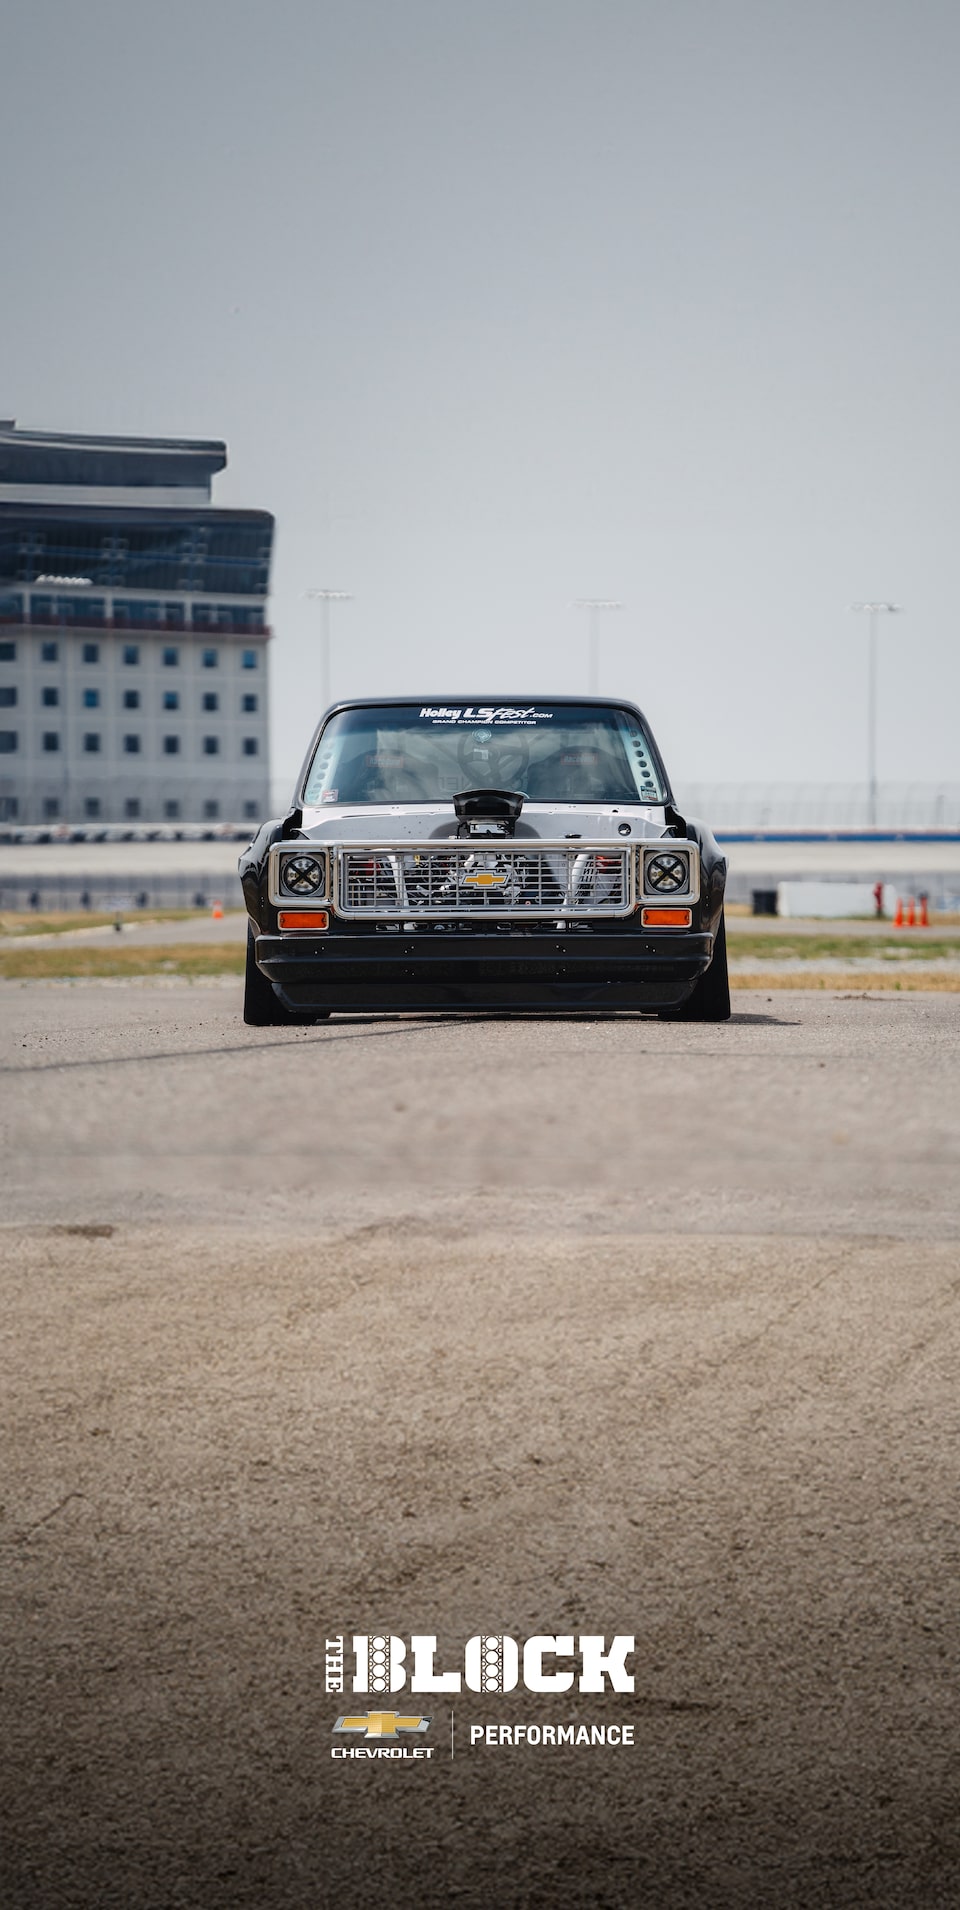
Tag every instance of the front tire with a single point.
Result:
(710, 1000)
(261, 1009)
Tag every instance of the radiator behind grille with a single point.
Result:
(508, 879)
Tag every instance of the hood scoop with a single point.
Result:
(488, 812)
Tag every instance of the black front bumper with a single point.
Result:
(427, 971)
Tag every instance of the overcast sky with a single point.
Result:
(499, 303)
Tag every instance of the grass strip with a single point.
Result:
(77, 964)
(768, 947)
(858, 982)
(189, 960)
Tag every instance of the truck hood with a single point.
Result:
(415, 822)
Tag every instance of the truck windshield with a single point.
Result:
(415, 753)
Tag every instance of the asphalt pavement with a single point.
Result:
(480, 1325)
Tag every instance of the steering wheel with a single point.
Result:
(503, 764)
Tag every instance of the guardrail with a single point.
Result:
(30, 834)
(129, 889)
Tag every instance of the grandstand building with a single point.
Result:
(133, 640)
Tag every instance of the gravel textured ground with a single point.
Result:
(479, 1325)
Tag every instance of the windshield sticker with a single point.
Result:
(329, 795)
(484, 713)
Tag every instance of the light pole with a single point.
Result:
(593, 607)
(873, 611)
(325, 598)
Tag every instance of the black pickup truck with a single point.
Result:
(520, 855)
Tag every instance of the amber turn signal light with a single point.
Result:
(303, 918)
(666, 918)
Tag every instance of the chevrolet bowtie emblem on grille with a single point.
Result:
(382, 1724)
(485, 880)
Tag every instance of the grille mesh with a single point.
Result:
(468, 880)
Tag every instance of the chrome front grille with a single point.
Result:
(508, 879)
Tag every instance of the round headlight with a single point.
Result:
(666, 873)
(302, 875)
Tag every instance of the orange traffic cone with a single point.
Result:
(898, 917)
(217, 912)
(911, 913)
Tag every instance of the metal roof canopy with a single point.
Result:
(54, 457)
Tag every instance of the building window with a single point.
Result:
(91, 743)
(211, 811)
(9, 808)
(131, 699)
(210, 659)
(91, 808)
(171, 745)
(175, 618)
(49, 696)
(131, 653)
(49, 652)
(207, 616)
(51, 808)
(211, 745)
(8, 696)
(137, 612)
(211, 701)
(131, 745)
(171, 699)
(249, 704)
(83, 612)
(171, 810)
(171, 657)
(248, 660)
(51, 740)
(11, 606)
(250, 812)
(8, 653)
(8, 742)
(131, 808)
(91, 699)
(91, 653)
(251, 746)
